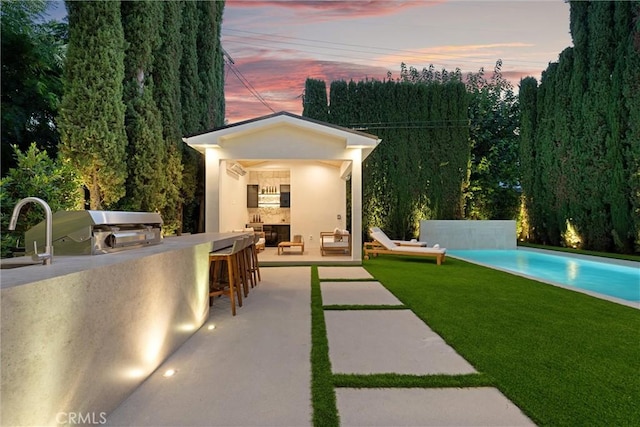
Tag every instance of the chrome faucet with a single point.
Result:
(47, 256)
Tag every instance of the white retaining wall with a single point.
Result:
(469, 234)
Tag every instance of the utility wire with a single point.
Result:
(248, 85)
(372, 50)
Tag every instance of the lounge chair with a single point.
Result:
(401, 242)
(383, 245)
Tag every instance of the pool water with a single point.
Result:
(618, 281)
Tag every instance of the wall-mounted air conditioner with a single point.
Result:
(236, 168)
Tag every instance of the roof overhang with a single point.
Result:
(335, 135)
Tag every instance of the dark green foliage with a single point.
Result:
(314, 101)
(493, 191)
(528, 171)
(191, 86)
(146, 151)
(210, 63)
(36, 175)
(31, 80)
(166, 77)
(581, 175)
(631, 103)
(92, 112)
(419, 169)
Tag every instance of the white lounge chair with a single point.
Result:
(401, 242)
(385, 246)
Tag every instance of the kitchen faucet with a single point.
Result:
(47, 256)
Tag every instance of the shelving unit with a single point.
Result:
(270, 200)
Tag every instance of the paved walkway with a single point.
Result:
(254, 369)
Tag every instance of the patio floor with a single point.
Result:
(293, 256)
(254, 369)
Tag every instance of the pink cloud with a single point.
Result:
(338, 8)
(281, 83)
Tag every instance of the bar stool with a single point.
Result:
(217, 261)
(243, 265)
(255, 267)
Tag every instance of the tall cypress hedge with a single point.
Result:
(167, 59)
(146, 152)
(420, 168)
(585, 144)
(92, 111)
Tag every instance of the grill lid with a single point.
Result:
(94, 232)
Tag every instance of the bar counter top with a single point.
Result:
(67, 264)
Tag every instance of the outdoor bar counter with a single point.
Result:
(79, 335)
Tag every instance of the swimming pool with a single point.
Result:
(617, 281)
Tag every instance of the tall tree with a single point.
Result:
(585, 146)
(32, 67)
(92, 112)
(493, 114)
(167, 59)
(528, 124)
(146, 152)
(210, 64)
(314, 101)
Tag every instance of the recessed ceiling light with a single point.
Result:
(211, 327)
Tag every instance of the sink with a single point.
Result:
(17, 263)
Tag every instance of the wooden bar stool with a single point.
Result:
(217, 261)
(255, 267)
(241, 258)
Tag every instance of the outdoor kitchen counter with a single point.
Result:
(67, 264)
(79, 335)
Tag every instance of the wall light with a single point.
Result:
(169, 373)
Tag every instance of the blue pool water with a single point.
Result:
(613, 280)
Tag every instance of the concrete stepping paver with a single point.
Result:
(384, 341)
(356, 293)
(428, 407)
(343, 273)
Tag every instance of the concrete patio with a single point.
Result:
(254, 369)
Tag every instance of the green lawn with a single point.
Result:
(563, 357)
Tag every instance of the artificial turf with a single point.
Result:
(563, 357)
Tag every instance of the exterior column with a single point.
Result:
(212, 191)
(356, 205)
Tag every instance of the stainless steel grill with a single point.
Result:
(98, 232)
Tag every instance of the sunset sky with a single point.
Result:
(276, 45)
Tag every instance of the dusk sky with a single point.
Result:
(276, 45)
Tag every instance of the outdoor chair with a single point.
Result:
(383, 245)
(336, 242)
(401, 242)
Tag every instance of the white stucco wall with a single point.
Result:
(318, 196)
(467, 234)
(233, 200)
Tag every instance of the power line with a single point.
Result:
(245, 82)
(257, 36)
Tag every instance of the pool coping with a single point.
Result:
(625, 263)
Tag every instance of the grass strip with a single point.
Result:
(565, 358)
(323, 396)
(350, 280)
(625, 257)
(411, 381)
(364, 307)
